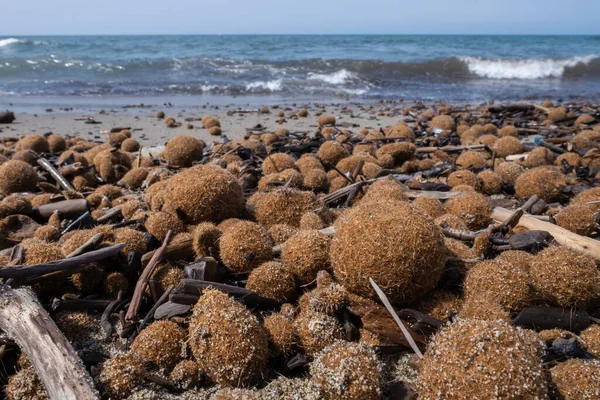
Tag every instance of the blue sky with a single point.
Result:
(60, 17)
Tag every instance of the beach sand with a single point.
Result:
(151, 131)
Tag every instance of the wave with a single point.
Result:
(336, 78)
(273, 86)
(529, 68)
(9, 41)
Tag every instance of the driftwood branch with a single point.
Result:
(565, 237)
(65, 208)
(142, 282)
(61, 371)
(25, 271)
(55, 174)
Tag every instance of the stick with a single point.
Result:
(142, 282)
(192, 287)
(389, 307)
(65, 208)
(450, 149)
(61, 371)
(55, 174)
(109, 214)
(92, 243)
(104, 322)
(567, 238)
(175, 251)
(26, 271)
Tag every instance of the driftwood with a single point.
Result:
(176, 251)
(142, 282)
(553, 317)
(60, 369)
(565, 237)
(450, 149)
(55, 174)
(26, 271)
(194, 288)
(66, 208)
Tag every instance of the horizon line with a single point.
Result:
(304, 34)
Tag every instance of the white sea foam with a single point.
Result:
(273, 86)
(9, 41)
(529, 68)
(336, 78)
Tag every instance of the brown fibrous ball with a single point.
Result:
(546, 182)
(245, 246)
(473, 208)
(183, 150)
(348, 370)
(316, 330)
(565, 277)
(578, 218)
(273, 281)
(159, 223)
(228, 342)
(305, 254)
(576, 379)
(472, 359)
(395, 244)
(160, 343)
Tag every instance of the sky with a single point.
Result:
(83, 17)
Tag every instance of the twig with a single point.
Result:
(55, 174)
(92, 243)
(109, 214)
(142, 282)
(104, 322)
(389, 307)
(25, 271)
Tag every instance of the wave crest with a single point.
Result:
(523, 68)
(336, 78)
(273, 86)
(9, 41)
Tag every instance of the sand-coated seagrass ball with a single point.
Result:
(395, 244)
(316, 330)
(17, 176)
(160, 343)
(475, 359)
(473, 208)
(565, 277)
(284, 206)
(346, 370)
(120, 375)
(576, 379)
(228, 342)
(273, 281)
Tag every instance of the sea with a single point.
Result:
(272, 68)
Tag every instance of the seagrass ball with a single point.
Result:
(159, 223)
(508, 130)
(271, 181)
(591, 338)
(507, 145)
(278, 162)
(227, 341)
(311, 220)
(332, 152)
(309, 162)
(305, 254)
(587, 197)
(25, 385)
(444, 122)
(160, 343)
(473, 208)
(538, 157)
(471, 160)
(209, 122)
(464, 177)
(576, 379)
(565, 277)
(316, 330)
(280, 327)
(491, 182)
(185, 374)
(430, 206)
(384, 190)
(284, 206)
(580, 219)
(120, 375)
(401, 130)
(482, 359)
(245, 246)
(134, 178)
(395, 244)
(400, 151)
(546, 182)
(206, 240)
(315, 180)
(506, 282)
(508, 171)
(183, 150)
(326, 120)
(57, 143)
(17, 176)
(115, 282)
(203, 193)
(37, 143)
(273, 281)
(346, 370)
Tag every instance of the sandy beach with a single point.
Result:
(235, 119)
